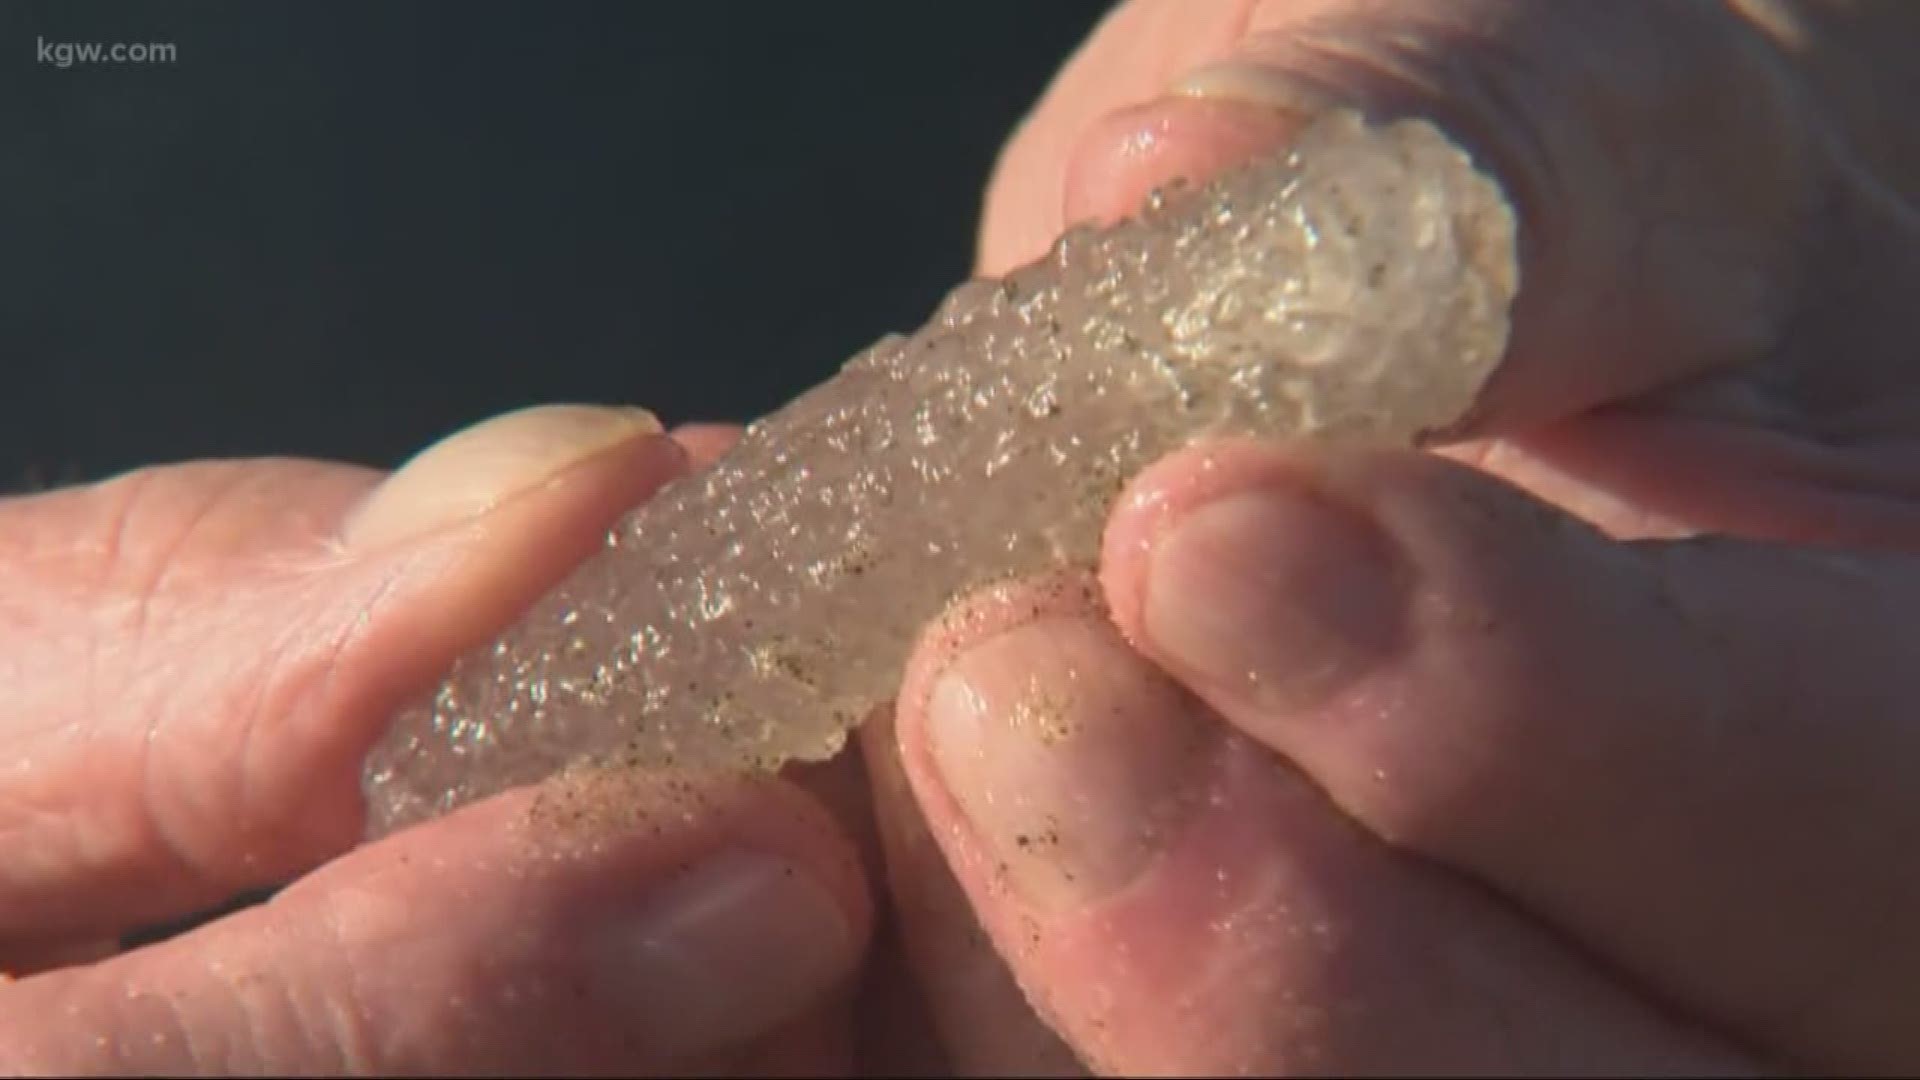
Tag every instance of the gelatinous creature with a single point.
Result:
(1354, 288)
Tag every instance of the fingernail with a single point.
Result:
(472, 471)
(726, 951)
(1253, 83)
(1274, 596)
(1072, 758)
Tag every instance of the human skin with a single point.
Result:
(1467, 761)
(194, 660)
(1538, 789)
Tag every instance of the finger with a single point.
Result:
(1684, 206)
(1136, 52)
(894, 1036)
(984, 1022)
(706, 443)
(194, 659)
(610, 925)
(1695, 757)
(47, 954)
(1177, 901)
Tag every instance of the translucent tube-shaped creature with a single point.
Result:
(1356, 288)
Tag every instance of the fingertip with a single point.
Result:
(657, 921)
(1026, 721)
(423, 575)
(476, 470)
(1361, 613)
(1051, 763)
(706, 443)
(651, 822)
(1122, 157)
(984, 1024)
(979, 617)
(291, 606)
(1173, 488)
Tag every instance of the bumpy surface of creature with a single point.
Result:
(1355, 289)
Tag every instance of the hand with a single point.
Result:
(193, 661)
(1402, 762)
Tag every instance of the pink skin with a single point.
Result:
(1541, 800)
(1537, 714)
(1534, 789)
(340, 973)
(183, 773)
(226, 639)
(1265, 933)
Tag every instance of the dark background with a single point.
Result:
(344, 229)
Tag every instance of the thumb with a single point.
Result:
(198, 656)
(1175, 900)
(1494, 687)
